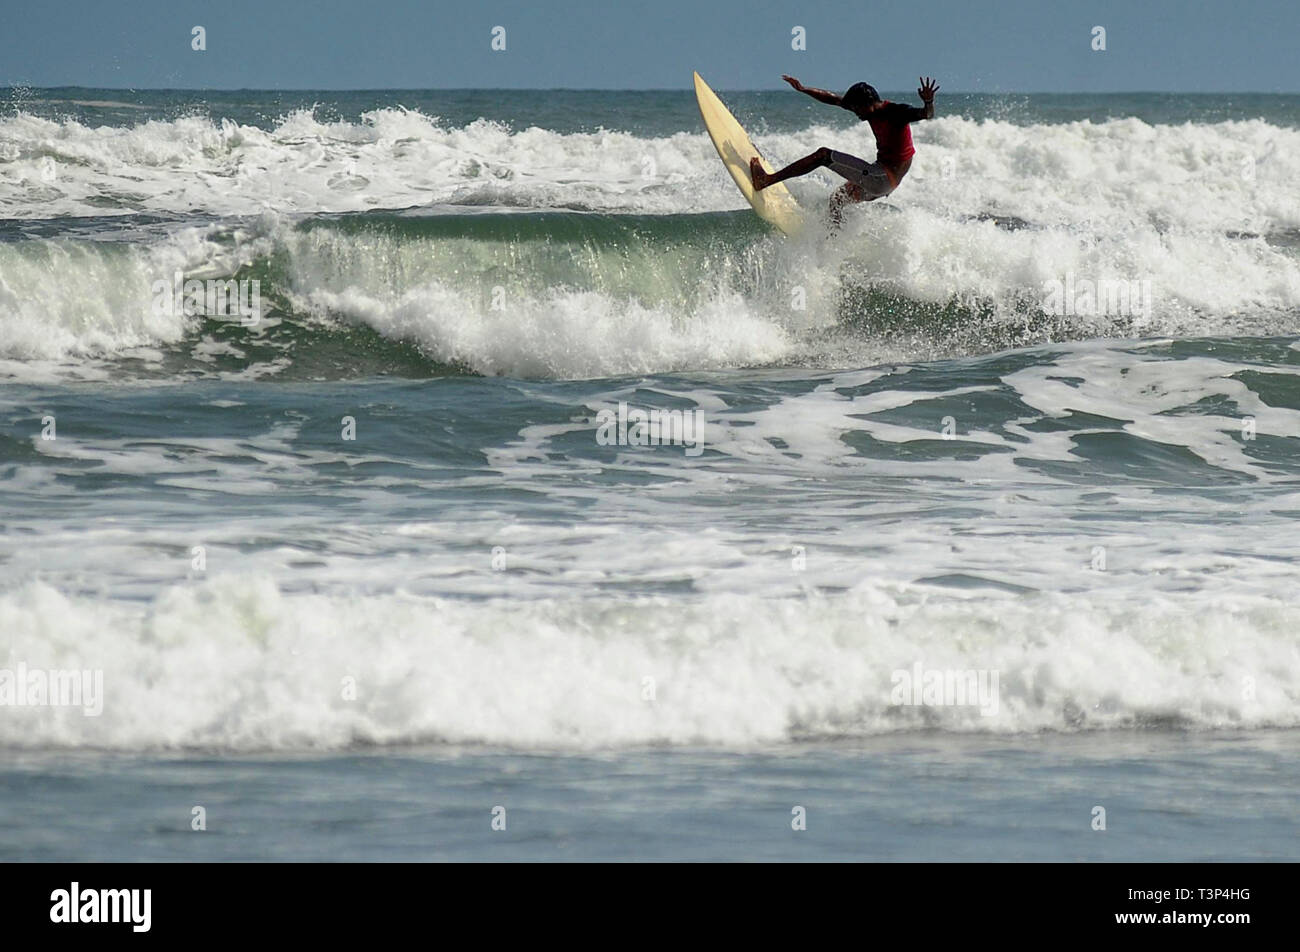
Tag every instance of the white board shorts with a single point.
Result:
(872, 177)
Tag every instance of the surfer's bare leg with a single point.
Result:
(809, 163)
(846, 194)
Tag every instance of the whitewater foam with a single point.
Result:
(991, 215)
(235, 664)
(1115, 172)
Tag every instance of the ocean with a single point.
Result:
(471, 475)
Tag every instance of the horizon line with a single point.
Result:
(634, 89)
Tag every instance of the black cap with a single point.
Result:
(860, 94)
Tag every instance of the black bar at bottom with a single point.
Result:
(335, 901)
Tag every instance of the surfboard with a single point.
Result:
(773, 204)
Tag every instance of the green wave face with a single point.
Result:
(544, 295)
(655, 259)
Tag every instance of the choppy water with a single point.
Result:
(380, 516)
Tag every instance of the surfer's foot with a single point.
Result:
(757, 174)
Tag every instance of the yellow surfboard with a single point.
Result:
(774, 204)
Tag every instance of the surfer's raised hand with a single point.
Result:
(928, 88)
(793, 82)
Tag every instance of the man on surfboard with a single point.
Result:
(867, 181)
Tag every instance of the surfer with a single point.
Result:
(867, 181)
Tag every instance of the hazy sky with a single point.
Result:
(969, 45)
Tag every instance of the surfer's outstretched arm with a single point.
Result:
(821, 95)
(901, 112)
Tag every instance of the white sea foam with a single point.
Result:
(237, 664)
(1114, 173)
(624, 563)
(1174, 206)
(68, 298)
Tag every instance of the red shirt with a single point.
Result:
(893, 135)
